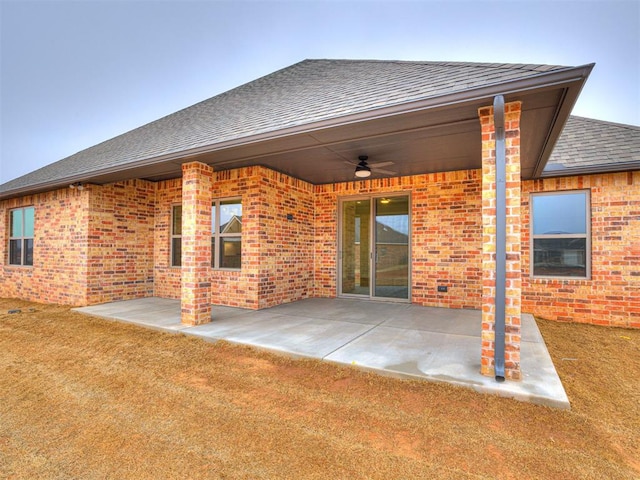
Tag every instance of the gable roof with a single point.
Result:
(587, 145)
(386, 234)
(234, 225)
(275, 114)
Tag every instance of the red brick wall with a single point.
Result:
(445, 215)
(288, 260)
(59, 272)
(90, 246)
(120, 241)
(166, 279)
(277, 259)
(228, 287)
(240, 288)
(285, 269)
(447, 236)
(612, 295)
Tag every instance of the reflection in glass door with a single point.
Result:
(392, 247)
(355, 247)
(374, 247)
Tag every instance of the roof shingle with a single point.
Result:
(588, 144)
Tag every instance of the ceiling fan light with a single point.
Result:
(362, 169)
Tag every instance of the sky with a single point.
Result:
(76, 73)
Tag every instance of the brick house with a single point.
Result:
(282, 189)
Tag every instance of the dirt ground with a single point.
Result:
(82, 397)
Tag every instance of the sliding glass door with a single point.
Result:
(374, 247)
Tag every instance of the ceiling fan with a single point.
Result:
(364, 169)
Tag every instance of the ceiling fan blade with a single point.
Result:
(384, 172)
(380, 164)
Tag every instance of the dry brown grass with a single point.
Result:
(88, 398)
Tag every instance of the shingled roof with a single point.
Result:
(587, 146)
(305, 93)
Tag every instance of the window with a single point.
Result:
(226, 234)
(21, 236)
(560, 240)
(176, 236)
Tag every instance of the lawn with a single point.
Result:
(82, 397)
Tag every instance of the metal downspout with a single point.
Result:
(501, 236)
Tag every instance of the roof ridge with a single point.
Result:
(608, 122)
(444, 63)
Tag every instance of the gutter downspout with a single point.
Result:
(501, 236)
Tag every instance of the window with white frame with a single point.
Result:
(226, 234)
(21, 231)
(560, 234)
(176, 236)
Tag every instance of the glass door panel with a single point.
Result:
(355, 265)
(374, 247)
(391, 250)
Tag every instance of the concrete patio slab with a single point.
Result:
(443, 320)
(397, 339)
(410, 352)
(303, 336)
(162, 313)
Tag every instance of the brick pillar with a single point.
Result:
(196, 243)
(513, 267)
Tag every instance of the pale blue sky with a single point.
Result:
(75, 73)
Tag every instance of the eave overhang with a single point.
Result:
(591, 169)
(433, 134)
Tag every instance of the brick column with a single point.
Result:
(513, 267)
(196, 243)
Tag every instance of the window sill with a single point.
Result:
(212, 269)
(566, 280)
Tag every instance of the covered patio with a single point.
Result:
(395, 339)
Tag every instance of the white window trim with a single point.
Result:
(586, 235)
